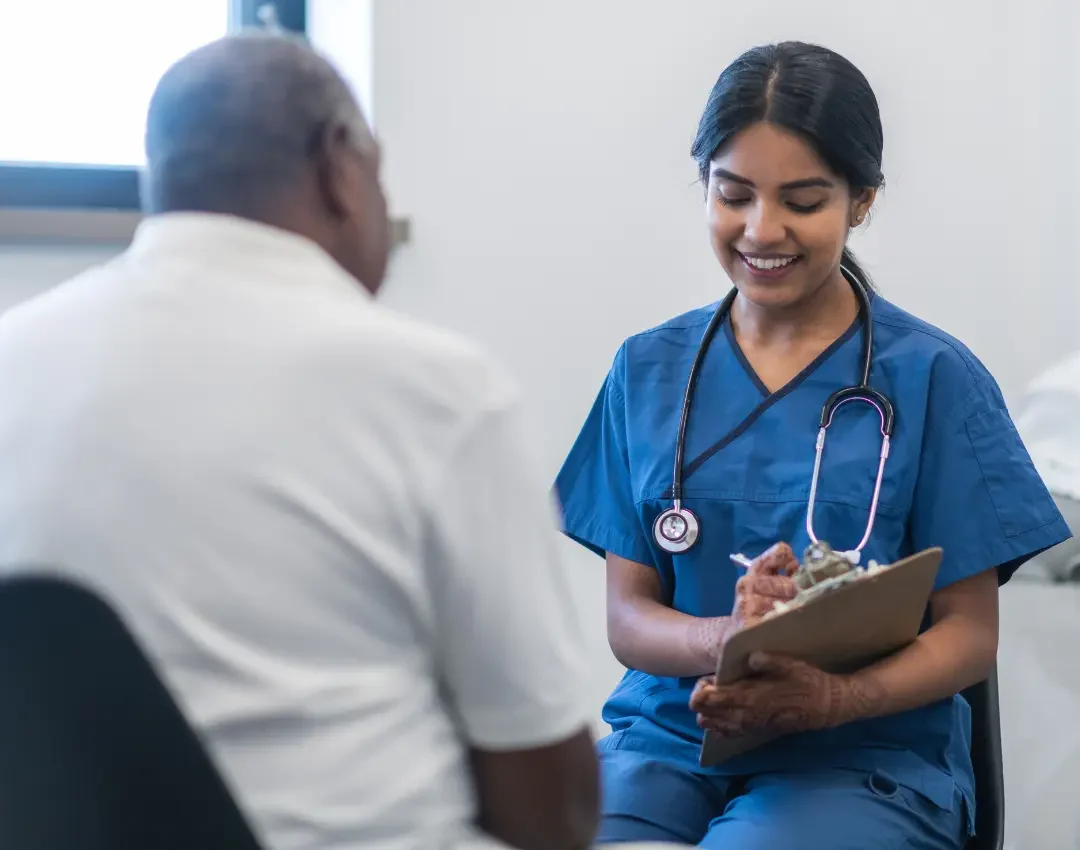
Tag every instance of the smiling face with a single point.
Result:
(778, 216)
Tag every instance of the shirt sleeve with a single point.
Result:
(978, 495)
(594, 486)
(510, 647)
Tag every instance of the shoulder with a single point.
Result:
(671, 344)
(435, 371)
(911, 348)
(44, 321)
(51, 304)
(684, 328)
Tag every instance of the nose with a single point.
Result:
(765, 224)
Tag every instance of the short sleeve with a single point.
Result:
(594, 487)
(978, 495)
(508, 640)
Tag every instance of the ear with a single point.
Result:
(329, 156)
(860, 206)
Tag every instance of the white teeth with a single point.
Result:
(766, 264)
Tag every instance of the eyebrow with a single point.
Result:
(806, 183)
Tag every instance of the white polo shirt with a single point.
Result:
(323, 521)
(1049, 423)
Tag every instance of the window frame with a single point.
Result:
(107, 189)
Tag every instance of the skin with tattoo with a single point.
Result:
(767, 581)
(784, 695)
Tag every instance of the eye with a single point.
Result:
(731, 200)
(805, 209)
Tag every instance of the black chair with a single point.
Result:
(94, 753)
(987, 760)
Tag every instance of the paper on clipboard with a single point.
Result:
(840, 632)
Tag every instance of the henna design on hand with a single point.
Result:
(705, 638)
(767, 581)
(859, 697)
(778, 560)
(787, 696)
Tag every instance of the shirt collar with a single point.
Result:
(237, 244)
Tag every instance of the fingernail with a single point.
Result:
(757, 661)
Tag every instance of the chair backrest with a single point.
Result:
(987, 761)
(94, 753)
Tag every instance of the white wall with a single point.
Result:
(541, 150)
(26, 270)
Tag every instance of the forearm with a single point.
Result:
(955, 653)
(653, 638)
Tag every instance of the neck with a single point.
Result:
(827, 312)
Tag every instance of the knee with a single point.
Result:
(645, 800)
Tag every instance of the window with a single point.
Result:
(80, 76)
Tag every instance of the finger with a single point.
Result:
(773, 665)
(707, 702)
(731, 725)
(777, 560)
(731, 699)
(701, 693)
(722, 728)
(775, 587)
(749, 608)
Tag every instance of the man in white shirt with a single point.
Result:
(323, 521)
(1049, 423)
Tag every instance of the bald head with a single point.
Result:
(233, 126)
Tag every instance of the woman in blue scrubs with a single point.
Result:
(789, 149)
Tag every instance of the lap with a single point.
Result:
(855, 809)
(646, 799)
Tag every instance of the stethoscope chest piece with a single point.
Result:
(676, 529)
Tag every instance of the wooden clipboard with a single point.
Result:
(841, 631)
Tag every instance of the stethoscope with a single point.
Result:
(677, 529)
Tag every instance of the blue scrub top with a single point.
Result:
(958, 477)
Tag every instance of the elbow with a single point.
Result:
(978, 659)
(619, 649)
(986, 659)
(621, 643)
(582, 813)
(572, 827)
(577, 827)
(540, 799)
(983, 633)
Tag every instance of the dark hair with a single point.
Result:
(810, 91)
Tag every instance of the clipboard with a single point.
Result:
(841, 631)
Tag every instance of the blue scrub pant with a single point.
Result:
(654, 801)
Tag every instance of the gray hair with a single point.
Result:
(233, 124)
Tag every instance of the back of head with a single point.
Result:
(810, 91)
(259, 125)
